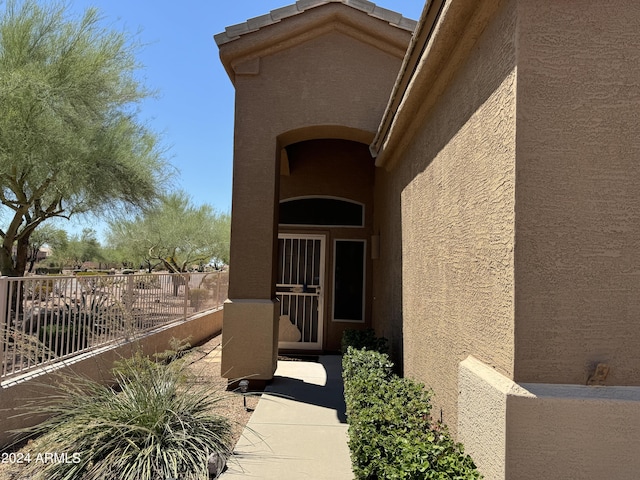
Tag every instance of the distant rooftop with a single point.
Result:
(254, 24)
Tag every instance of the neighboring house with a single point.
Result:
(471, 192)
(44, 253)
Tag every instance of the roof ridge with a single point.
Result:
(234, 32)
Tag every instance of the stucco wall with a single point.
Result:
(547, 431)
(520, 208)
(387, 317)
(333, 80)
(330, 167)
(578, 200)
(95, 366)
(456, 204)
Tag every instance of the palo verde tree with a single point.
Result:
(174, 233)
(45, 235)
(78, 249)
(70, 139)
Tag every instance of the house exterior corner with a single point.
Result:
(470, 191)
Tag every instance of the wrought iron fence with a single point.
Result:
(45, 319)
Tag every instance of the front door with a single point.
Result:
(299, 288)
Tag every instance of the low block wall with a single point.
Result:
(533, 431)
(95, 365)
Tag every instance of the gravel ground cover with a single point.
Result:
(204, 363)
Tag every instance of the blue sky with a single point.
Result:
(194, 110)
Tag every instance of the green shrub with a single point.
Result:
(94, 273)
(48, 271)
(64, 339)
(391, 435)
(177, 349)
(157, 425)
(363, 339)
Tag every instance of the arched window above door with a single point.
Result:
(321, 211)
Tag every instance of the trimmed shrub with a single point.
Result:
(92, 273)
(391, 435)
(364, 339)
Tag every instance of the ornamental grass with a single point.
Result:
(156, 424)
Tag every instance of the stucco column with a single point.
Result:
(250, 331)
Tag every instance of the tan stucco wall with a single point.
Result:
(329, 70)
(329, 80)
(519, 215)
(533, 431)
(250, 340)
(95, 366)
(482, 422)
(578, 201)
(330, 167)
(454, 194)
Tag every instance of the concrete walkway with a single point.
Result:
(298, 429)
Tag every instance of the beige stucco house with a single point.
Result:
(468, 185)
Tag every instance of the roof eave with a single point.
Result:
(261, 36)
(445, 33)
(234, 32)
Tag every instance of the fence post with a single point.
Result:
(129, 300)
(4, 320)
(218, 292)
(128, 296)
(187, 278)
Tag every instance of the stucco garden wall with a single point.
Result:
(96, 366)
(529, 431)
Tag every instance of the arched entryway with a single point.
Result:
(325, 218)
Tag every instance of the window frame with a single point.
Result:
(329, 225)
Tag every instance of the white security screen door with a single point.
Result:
(299, 289)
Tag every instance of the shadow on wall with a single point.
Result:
(449, 115)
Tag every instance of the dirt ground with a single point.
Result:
(206, 367)
(204, 363)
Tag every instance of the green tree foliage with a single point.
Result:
(79, 249)
(114, 256)
(70, 140)
(55, 238)
(175, 234)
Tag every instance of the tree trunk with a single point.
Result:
(32, 262)
(11, 267)
(22, 254)
(6, 262)
(8, 268)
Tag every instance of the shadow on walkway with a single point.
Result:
(298, 430)
(321, 386)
